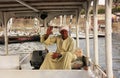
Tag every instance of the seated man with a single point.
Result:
(80, 62)
(62, 58)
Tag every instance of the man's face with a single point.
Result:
(64, 33)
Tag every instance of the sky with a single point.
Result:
(101, 2)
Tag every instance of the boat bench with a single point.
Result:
(38, 58)
(9, 62)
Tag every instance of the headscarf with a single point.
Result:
(64, 28)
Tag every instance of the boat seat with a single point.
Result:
(37, 58)
(9, 62)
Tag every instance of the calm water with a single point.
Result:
(31, 46)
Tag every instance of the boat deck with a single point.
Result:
(44, 74)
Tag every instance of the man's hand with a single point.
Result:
(56, 55)
(49, 30)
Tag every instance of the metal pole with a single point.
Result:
(108, 38)
(95, 11)
(87, 37)
(23, 3)
(64, 20)
(87, 29)
(61, 23)
(77, 29)
(5, 33)
(44, 24)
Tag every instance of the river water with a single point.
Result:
(28, 47)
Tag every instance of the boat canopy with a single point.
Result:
(41, 8)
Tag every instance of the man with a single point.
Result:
(61, 59)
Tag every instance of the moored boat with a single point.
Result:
(101, 31)
(19, 39)
(81, 35)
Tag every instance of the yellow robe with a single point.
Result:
(65, 47)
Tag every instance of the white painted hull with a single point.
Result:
(81, 36)
(44, 74)
(101, 35)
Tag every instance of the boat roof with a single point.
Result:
(35, 8)
(40, 5)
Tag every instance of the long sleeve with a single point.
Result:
(50, 40)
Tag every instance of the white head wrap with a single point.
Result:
(64, 28)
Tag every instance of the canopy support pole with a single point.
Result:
(95, 12)
(64, 20)
(28, 6)
(87, 29)
(61, 23)
(77, 29)
(108, 38)
(5, 31)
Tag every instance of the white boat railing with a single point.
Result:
(100, 72)
(25, 57)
